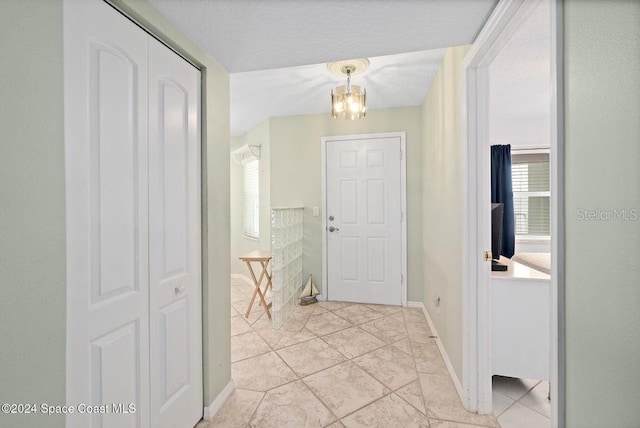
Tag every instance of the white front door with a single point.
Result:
(364, 220)
(174, 240)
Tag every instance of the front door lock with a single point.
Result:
(333, 229)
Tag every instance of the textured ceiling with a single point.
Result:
(248, 35)
(521, 73)
(268, 47)
(390, 81)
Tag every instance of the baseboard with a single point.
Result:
(443, 351)
(213, 408)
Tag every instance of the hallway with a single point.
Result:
(338, 365)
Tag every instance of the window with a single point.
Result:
(251, 190)
(531, 193)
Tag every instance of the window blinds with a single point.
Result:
(531, 193)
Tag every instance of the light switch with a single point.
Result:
(316, 211)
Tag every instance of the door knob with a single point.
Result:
(179, 289)
(333, 229)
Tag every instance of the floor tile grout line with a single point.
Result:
(375, 401)
(508, 407)
(256, 409)
(301, 379)
(529, 407)
(521, 403)
(346, 356)
(366, 405)
(289, 346)
(385, 342)
(415, 366)
(474, 425)
(357, 365)
(321, 402)
(403, 399)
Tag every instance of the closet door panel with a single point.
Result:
(175, 278)
(106, 147)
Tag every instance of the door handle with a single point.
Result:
(179, 289)
(333, 229)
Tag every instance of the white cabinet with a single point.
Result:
(132, 141)
(521, 322)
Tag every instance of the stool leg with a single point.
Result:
(262, 300)
(255, 291)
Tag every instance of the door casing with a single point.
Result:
(476, 323)
(403, 198)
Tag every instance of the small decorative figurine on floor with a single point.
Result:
(309, 293)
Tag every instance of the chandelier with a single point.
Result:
(348, 101)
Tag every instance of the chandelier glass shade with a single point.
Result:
(348, 101)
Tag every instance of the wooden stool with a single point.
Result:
(262, 257)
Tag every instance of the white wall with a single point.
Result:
(241, 244)
(523, 131)
(442, 202)
(602, 171)
(296, 176)
(520, 82)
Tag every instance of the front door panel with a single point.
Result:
(364, 248)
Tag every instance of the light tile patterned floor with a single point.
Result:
(521, 403)
(338, 365)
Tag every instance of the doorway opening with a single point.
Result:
(482, 321)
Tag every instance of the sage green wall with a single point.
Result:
(442, 203)
(602, 171)
(215, 203)
(235, 207)
(240, 244)
(32, 210)
(296, 176)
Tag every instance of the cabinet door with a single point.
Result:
(105, 63)
(174, 237)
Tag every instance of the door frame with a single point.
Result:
(476, 322)
(403, 201)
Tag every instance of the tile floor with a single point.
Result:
(338, 365)
(521, 403)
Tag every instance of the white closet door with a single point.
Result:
(174, 236)
(105, 81)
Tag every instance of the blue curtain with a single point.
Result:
(502, 192)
